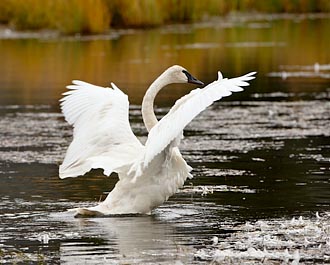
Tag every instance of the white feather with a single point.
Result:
(187, 108)
(103, 138)
(92, 109)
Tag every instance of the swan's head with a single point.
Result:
(178, 74)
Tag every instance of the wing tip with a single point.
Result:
(220, 76)
(114, 87)
(61, 175)
(251, 75)
(77, 82)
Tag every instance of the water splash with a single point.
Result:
(303, 239)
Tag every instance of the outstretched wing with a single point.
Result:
(102, 136)
(170, 127)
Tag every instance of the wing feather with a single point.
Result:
(101, 127)
(188, 107)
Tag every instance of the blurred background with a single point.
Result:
(46, 44)
(99, 16)
(259, 156)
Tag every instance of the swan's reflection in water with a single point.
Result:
(128, 240)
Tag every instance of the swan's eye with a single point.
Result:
(192, 79)
(188, 75)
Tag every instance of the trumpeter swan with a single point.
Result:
(102, 138)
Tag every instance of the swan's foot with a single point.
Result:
(85, 212)
(102, 210)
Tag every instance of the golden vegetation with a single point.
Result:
(97, 16)
(36, 72)
(67, 16)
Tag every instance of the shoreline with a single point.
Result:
(230, 20)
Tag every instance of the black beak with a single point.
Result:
(192, 79)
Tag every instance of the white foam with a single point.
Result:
(284, 240)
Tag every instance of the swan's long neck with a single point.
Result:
(148, 114)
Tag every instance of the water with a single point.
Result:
(261, 158)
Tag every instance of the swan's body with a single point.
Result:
(148, 174)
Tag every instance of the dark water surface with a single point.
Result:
(261, 158)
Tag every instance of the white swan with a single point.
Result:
(102, 138)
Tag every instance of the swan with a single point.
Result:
(102, 138)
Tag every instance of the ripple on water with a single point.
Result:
(303, 240)
(233, 145)
(45, 136)
(173, 233)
